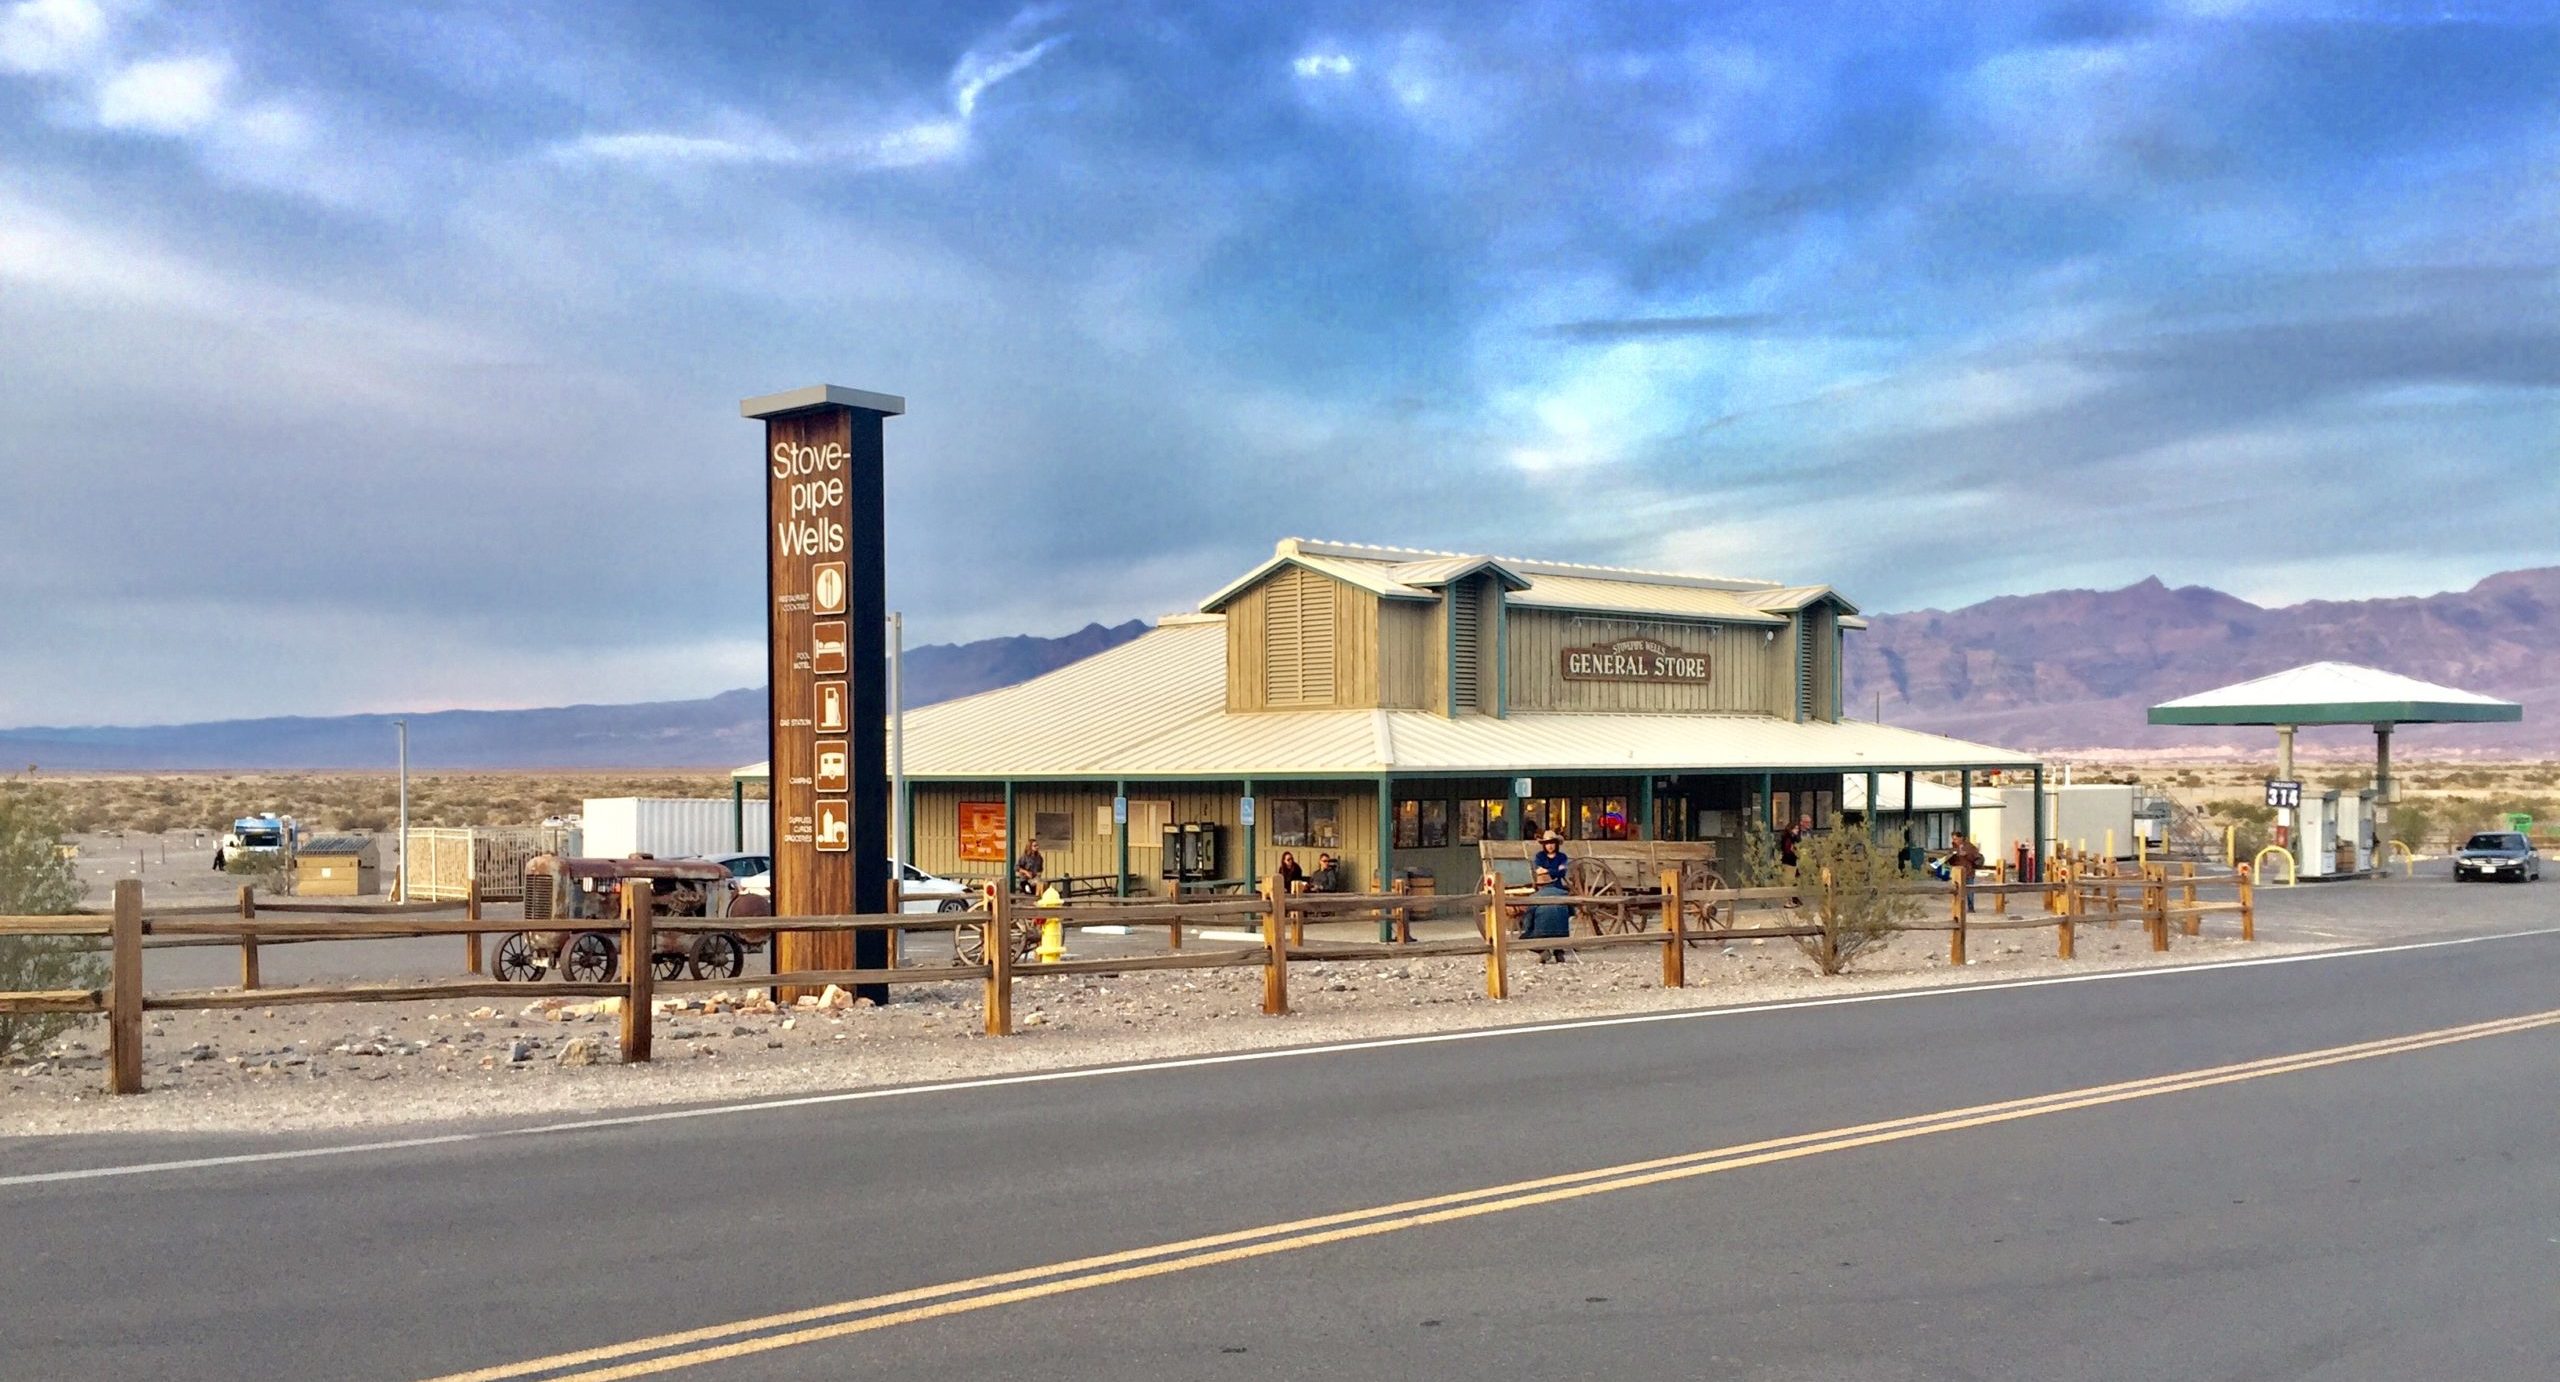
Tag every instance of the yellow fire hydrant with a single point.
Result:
(1053, 932)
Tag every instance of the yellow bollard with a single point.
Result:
(2111, 842)
(2231, 846)
(1053, 932)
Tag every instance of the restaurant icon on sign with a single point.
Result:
(826, 588)
(826, 648)
(835, 826)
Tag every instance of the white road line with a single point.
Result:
(626, 1120)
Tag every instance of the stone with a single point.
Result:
(483, 1014)
(833, 998)
(580, 1051)
(519, 1051)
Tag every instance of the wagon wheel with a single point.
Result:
(1698, 878)
(515, 962)
(668, 964)
(1591, 878)
(1026, 939)
(969, 944)
(719, 955)
(589, 958)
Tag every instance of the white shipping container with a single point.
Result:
(2080, 812)
(672, 827)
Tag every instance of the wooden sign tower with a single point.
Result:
(826, 615)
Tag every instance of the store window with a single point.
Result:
(1602, 818)
(1422, 824)
(1306, 822)
(1487, 819)
(1541, 814)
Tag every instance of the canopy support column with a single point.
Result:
(2284, 773)
(1644, 810)
(2037, 812)
(1386, 849)
(1012, 850)
(1912, 854)
(2381, 797)
(1120, 842)
(1964, 804)
(737, 817)
(1875, 810)
(1252, 880)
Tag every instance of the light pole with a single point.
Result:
(403, 883)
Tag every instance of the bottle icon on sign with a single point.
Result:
(835, 826)
(826, 588)
(830, 717)
(826, 648)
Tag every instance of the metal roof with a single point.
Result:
(2334, 693)
(1398, 573)
(1156, 708)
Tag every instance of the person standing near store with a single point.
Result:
(1792, 839)
(1963, 860)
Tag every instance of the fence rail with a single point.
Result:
(2072, 893)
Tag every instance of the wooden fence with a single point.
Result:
(2070, 896)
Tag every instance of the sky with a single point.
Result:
(378, 357)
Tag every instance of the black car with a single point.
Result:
(2497, 854)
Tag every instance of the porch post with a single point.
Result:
(2037, 812)
(1910, 817)
(1964, 804)
(1644, 811)
(1120, 841)
(737, 817)
(1768, 803)
(1012, 851)
(1250, 876)
(1875, 810)
(1386, 849)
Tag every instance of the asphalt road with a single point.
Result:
(2390, 1213)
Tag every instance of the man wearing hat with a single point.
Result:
(1551, 857)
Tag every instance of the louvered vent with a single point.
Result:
(1466, 639)
(1298, 640)
(1804, 666)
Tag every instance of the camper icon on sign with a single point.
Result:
(834, 771)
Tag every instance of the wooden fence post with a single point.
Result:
(1675, 934)
(471, 956)
(248, 940)
(638, 974)
(2155, 906)
(1275, 946)
(2000, 874)
(124, 990)
(897, 908)
(2194, 919)
(1404, 915)
(1955, 933)
(999, 957)
(1497, 937)
(2248, 902)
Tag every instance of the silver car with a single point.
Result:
(2497, 854)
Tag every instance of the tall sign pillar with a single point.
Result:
(826, 613)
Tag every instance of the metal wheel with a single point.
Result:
(590, 957)
(669, 964)
(952, 904)
(719, 955)
(1026, 939)
(515, 962)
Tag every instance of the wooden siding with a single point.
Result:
(1413, 656)
(1280, 616)
(1750, 672)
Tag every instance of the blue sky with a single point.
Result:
(376, 356)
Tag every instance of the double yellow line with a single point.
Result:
(816, 1324)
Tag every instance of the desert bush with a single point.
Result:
(267, 871)
(37, 880)
(1854, 886)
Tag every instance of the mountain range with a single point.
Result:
(2063, 671)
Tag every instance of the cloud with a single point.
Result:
(889, 142)
(165, 95)
(39, 36)
(1626, 328)
(1324, 64)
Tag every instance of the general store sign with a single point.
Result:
(1635, 659)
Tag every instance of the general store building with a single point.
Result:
(1394, 707)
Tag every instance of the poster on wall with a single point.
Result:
(982, 831)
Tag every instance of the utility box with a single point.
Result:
(338, 866)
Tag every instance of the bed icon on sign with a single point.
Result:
(826, 588)
(826, 648)
(835, 826)
(834, 771)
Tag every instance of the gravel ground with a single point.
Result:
(381, 1065)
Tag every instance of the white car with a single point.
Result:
(921, 892)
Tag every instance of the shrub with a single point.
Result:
(37, 880)
(1855, 886)
(267, 871)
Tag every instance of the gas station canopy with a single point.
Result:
(2334, 693)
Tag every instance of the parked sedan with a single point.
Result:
(920, 891)
(2497, 854)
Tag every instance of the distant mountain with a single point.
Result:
(720, 732)
(2078, 669)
